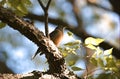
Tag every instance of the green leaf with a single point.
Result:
(74, 68)
(64, 52)
(27, 2)
(71, 63)
(110, 62)
(100, 62)
(70, 33)
(19, 6)
(118, 63)
(22, 8)
(76, 42)
(69, 44)
(2, 2)
(77, 47)
(93, 60)
(13, 3)
(108, 52)
(2, 25)
(115, 69)
(93, 41)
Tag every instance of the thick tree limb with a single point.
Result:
(33, 75)
(55, 60)
(77, 31)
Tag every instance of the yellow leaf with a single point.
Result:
(90, 46)
(76, 42)
(93, 41)
(100, 62)
(69, 44)
(2, 25)
(108, 52)
(73, 52)
(99, 51)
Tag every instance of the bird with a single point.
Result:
(56, 36)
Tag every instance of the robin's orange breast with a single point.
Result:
(56, 36)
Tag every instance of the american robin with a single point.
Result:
(56, 36)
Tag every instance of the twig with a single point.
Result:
(99, 6)
(86, 76)
(92, 71)
(45, 9)
(76, 14)
(48, 4)
(41, 4)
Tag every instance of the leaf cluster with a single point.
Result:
(18, 6)
(102, 58)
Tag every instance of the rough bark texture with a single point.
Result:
(55, 59)
(36, 75)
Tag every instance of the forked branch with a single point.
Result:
(45, 9)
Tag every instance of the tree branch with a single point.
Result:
(76, 14)
(48, 4)
(115, 5)
(45, 9)
(41, 4)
